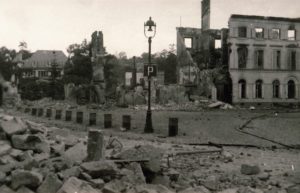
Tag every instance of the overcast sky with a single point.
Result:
(55, 24)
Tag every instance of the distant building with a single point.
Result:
(40, 64)
(264, 59)
(128, 78)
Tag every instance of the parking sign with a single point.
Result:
(150, 70)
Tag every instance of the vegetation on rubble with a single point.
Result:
(78, 68)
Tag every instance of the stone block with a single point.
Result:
(36, 143)
(250, 169)
(95, 147)
(25, 178)
(71, 172)
(51, 184)
(76, 153)
(35, 128)
(115, 186)
(198, 189)
(5, 189)
(14, 126)
(24, 189)
(97, 183)
(99, 169)
(75, 185)
(293, 189)
(2, 177)
(145, 152)
(5, 147)
(151, 188)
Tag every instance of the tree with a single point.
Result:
(6, 62)
(113, 73)
(78, 68)
(167, 62)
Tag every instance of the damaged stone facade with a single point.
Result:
(264, 59)
(203, 49)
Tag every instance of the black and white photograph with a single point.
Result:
(149, 96)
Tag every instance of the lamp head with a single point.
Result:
(150, 28)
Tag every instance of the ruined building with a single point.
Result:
(98, 53)
(200, 52)
(264, 59)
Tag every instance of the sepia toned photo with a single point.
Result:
(149, 96)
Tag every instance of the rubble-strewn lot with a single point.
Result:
(47, 156)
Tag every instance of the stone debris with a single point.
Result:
(98, 169)
(5, 189)
(114, 186)
(154, 155)
(74, 184)
(198, 189)
(37, 143)
(293, 189)
(51, 184)
(25, 178)
(24, 189)
(77, 153)
(250, 169)
(38, 159)
(13, 126)
(5, 147)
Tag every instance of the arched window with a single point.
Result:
(291, 89)
(276, 89)
(258, 89)
(243, 90)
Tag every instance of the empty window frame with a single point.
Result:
(218, 44)
(275, 34)
(277, 59)
(242, 32)
(276, 89)
(292, 60)
(243, 89)
(259, 59)
(291, 89)
(259, 32)
(258, 89)
(291, 34)
(242, 56)
(188, 42)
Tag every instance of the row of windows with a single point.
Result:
(259, 59)
(274, 33)
(40, 74)
(291, 89)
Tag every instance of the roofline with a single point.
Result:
(268, 18)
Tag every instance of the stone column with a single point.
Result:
(95, 147)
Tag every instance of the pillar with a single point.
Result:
(95, 147)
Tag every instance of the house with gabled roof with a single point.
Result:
(40, 64)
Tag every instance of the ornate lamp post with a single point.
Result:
(149, 31)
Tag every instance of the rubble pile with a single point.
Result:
(39, 159)
(67, 104)
(34, 159)
(197, 105)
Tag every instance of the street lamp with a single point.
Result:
(149, 31)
